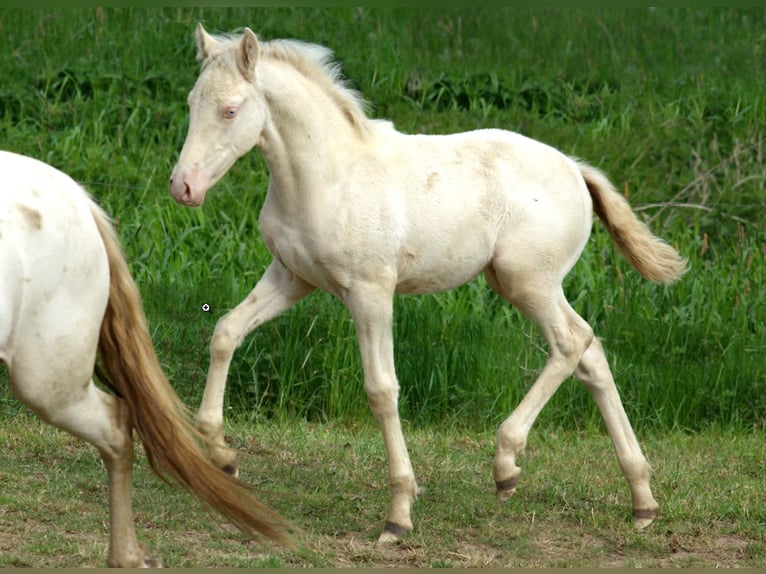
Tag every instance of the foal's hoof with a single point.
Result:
(644, 517)
(392, 533)
(226, 460)
(232, 468)
(154, 562)
(505, 488)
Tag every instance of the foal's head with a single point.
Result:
(226, 114)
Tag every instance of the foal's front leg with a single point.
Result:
(372, 308)
(275, 292)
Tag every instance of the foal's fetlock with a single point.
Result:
(405, 486)
(219, 454)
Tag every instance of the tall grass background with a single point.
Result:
(668, 101)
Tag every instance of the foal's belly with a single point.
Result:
(415, 285)
(441, 267)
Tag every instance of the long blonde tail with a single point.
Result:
(163, 424)
(648, 254)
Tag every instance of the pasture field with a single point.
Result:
(674, 118)
(572, 508)
(668, 102)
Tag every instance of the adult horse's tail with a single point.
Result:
(651, 256)
(161, 420)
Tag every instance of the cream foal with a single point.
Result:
(362, 211)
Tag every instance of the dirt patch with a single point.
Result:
(543, 550)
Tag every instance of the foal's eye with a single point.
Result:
(230, 112)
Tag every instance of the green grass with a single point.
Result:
(665, 100)
(669, 102)
(572, 507)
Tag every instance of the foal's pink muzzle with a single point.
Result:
(189, 188)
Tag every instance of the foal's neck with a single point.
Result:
(307, 135)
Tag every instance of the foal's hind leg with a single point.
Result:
(567, 335)
(593, 370)
(103, 420)
(277, 290)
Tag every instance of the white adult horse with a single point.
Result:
(363, 211)
(66, 292)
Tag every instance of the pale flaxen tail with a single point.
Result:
(171, 443)
(648, 254)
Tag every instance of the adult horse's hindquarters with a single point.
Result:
(66, 292)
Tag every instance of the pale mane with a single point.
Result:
(316, 63)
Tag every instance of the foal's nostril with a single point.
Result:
(187, 188)
(180, 190)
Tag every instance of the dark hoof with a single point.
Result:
(232, 469)
(505, 488)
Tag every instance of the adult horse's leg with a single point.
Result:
(117, 454)
(567, 335)
(275, 292)
(103, 420)
(593, 370)
(371, 306)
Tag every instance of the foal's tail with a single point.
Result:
(651, 256)
(161, 420)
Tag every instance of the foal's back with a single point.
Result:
(453, 202)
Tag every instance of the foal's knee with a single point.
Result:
(593, 368)
(572, 343)
(223, 342)
(382, 396)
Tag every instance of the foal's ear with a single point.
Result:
(204, 42)
(247, 54)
